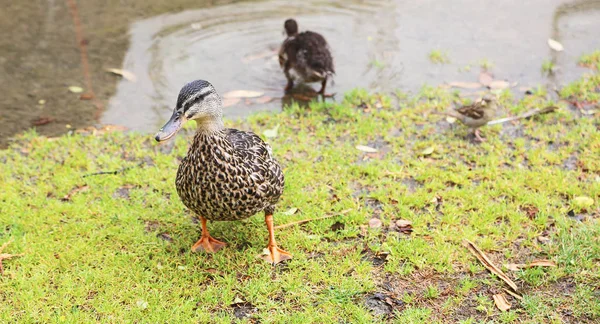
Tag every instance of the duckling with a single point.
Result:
(305, 57)
(475, 115)
(228, 174)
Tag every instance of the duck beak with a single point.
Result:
(171, 127)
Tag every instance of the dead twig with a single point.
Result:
(5, 256)
(488, 264)
(311, 219)
(528, 114)
(121, 170)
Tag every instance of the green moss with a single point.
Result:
(115, 248)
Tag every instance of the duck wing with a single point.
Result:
(315, 51)
(256, 157)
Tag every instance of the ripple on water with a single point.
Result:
(381, 45)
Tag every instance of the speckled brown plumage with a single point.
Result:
(229, 175)
(305, 57)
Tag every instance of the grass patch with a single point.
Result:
(439, 57)
(116, 248)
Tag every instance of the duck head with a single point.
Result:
(199, 101)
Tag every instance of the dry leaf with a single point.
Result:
(499, 84)
(403, 223)
(41, 102)
(73, 191)
(264, 99)
(501, 302)
(543, 239)
(489, 265)
(375, 223)
(485, 78)
(428, 150)
(76, 89)
(127, 75)
(271, 133)
(227, 102)
(589, 112)
(366, 149)
(42, 121)
(555, 45)
(290, 211)
(450, 119)
(86, 96)
(243, 94)
(465, 85)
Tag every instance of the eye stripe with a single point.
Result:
(191, 102)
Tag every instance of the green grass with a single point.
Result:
(116, 248)
(548, 67)
(439, 57)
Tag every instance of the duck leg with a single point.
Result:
(290, 83)
(322, 91)
(206, 242)
(275, 254)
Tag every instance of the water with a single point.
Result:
(378, 45)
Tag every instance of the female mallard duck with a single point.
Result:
(305, 57)
(227, 174)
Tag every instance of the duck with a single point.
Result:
(227, 174)
(475, 115)
(305, 57)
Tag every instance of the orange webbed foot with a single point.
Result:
(274, 255)
(208, 244)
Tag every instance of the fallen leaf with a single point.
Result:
(227, 102)
(450, 119)
(271, 133)
(76, 89)
(555, 45)
(366, 149)
(196, 26)
(543, 239)
(243, 94)
(86, 96)
(485, 78)
(489, 265)
(290, 211)
(264, 99)
(142, 304)
(465, 85)
(267, 53)
(428, 150)
(501, 302)
(73, 191)
(42, 121)
(375, 223)
(41, 102)
(589, 112)
(403, 223)
(127, 75)
(499, 84)
(583, 201)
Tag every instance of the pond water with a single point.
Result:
(378, 45)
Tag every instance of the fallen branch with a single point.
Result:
(122, 170)
(488, 264)
(312, 219)
(528, 114)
